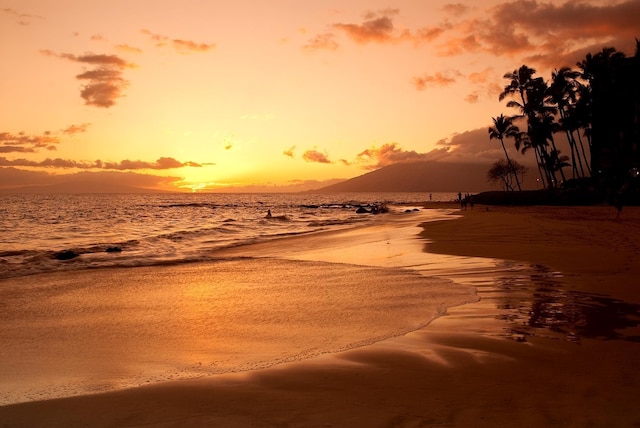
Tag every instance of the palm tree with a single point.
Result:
(503, 127)
(557, 161)
(581, 116)
(563, 92)
(523, 144)
(534, 107)
(602, 71)
(519, 81)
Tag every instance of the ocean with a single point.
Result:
(105, 292)
(46, 233)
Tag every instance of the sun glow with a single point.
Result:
(246, 101)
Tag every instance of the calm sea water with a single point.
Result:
(152, 229)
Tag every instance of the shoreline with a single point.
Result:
(489, 363)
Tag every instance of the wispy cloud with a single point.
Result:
(290, 152)
(455, 9)
(23, 143)
(128, 49)
(76, 129)
(162, 163)
(22, 18)
(438, 79)
(377, 27)
(105, 83)
(315, 156)
(324, 41)
(180, 45)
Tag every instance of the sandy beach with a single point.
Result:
(552, 342)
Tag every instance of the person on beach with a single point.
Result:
(268, 214)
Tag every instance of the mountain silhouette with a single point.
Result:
(425, 176)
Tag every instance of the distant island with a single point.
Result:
(427, 176)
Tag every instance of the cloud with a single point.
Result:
(23, 143)
(128, 49)
(471, 146)
(76, 129)
(180, 45)
(466, 147)
(315, 156)
(481, 77)
(47, 163)
(105, 83)
(324, 41)
(551, 35)
(289, 152)
(455, 9)
(162, 163)
(388, 154)
(435, 80)
(15, 149)
(22, 18)
(472, 98)
(475, 147)
(376, 28)
(428, 34)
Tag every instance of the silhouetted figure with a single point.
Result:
(268, 214)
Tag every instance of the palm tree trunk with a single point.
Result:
(584, 155)
(572, 145)
(553, 146)
(575, 146)
(539, 164)
(510, 164)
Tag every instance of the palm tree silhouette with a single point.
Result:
(602, 71)
(520, 81)
(503, 127)
(563, 91)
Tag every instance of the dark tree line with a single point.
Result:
(595, 107)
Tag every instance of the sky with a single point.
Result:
(284, 95)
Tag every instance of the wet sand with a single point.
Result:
(552, 342)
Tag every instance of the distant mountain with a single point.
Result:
(73, 187)
(418, 177)
(82, 182)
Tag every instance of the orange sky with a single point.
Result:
(284, 94)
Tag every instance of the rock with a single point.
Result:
(65, 255)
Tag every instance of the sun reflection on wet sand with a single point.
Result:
(531, 300)
(526, 300)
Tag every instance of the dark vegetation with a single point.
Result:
(597, 109)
